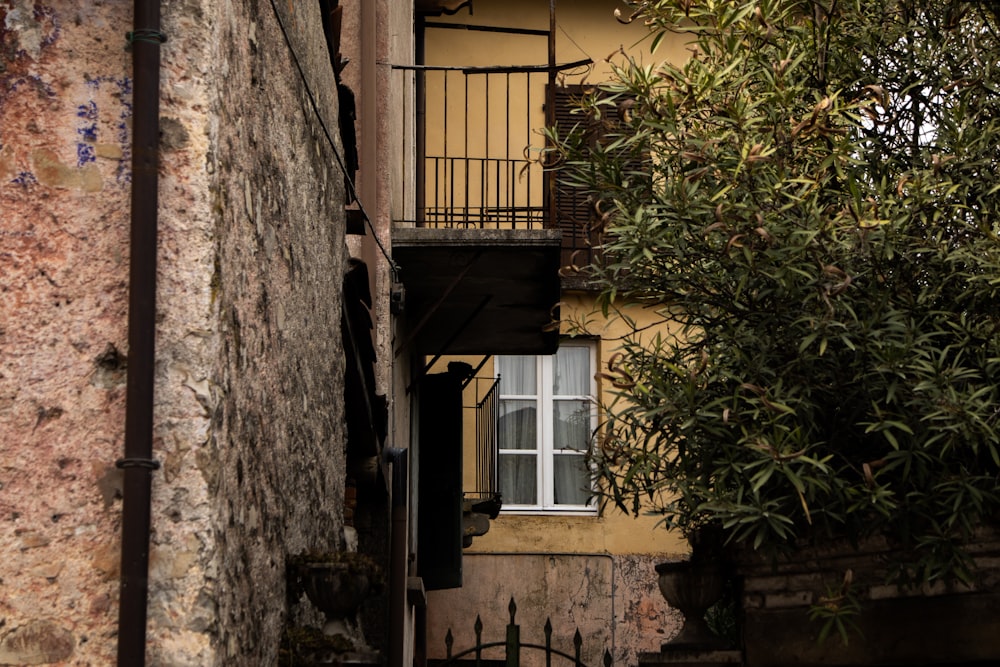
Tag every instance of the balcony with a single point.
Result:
(478, 236)
(482, 504)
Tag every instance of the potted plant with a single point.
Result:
(809, 205)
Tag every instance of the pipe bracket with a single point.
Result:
(149, 464)
(150, 36)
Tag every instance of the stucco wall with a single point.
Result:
(612, 600)
(248, 414)
(63, 260)
(935, 623)
(608, 530)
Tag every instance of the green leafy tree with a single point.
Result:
(810, 205)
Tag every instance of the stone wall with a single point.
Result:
(248, 406)
(279, 435)
(937, 623)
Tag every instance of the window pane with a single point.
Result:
(572, 371)
(518, 483)
(572, 479)
(517, 375)
(571, 425)
(517, 424)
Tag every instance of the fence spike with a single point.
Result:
(513, 646)
(548, 642)
(478, 627)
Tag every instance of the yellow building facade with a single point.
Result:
(553, 548)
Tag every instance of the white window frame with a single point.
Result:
(544, 450)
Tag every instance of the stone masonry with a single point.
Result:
(248, 394)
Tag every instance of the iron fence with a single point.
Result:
(513, 646)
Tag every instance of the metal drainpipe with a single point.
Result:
(138, 463)
(548, 193)
(370, 13)
(398, 556)
(370, 110)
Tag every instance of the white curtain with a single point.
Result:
(571, 425)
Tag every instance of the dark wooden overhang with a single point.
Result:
(479, 291)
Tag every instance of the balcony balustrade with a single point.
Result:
(477, 157)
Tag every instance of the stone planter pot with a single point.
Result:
(691, 588)
(337, 590)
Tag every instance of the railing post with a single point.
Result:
(548, 642)
(549, 202)
(420, 134)
(513, 647)
(478, 627)
(486, 443)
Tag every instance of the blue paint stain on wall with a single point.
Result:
(25, 178)
(87, 111)
(124, 173)
(42, 13)
(33, 80)
(87, 131)
(87, 128)
(84, 154)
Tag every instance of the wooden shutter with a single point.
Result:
(573, 209)
(439, 475)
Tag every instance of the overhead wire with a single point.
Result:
(352, 189)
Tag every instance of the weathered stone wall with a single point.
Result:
(931, 624)
(248, 414)
(279, 434)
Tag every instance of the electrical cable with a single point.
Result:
(333, 146)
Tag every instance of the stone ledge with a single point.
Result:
(669, 657)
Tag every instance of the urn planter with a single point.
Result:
(692, 587)
(336, 584)
(337, 590)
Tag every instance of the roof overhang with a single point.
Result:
(479, 291)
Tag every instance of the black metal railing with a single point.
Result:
(478, 146)
(512, 646)
(485, 193)
(487, 481)
(476, 159)
(477, 154)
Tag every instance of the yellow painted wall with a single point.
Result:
(585, 29)
(608, 531)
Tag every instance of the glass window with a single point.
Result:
(547, 417)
